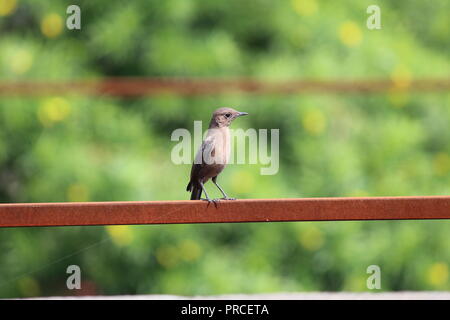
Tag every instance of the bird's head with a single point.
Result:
(223, 117)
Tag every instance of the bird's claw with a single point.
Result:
(210, 200)
(214, 201)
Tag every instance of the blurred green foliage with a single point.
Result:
(81, 148)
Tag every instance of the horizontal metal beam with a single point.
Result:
(132, 87)
(255, 210)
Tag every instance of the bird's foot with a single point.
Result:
(209, 200)
(214, 201)
(227, 198)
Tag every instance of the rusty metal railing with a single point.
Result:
(132, 87)
(254, 210)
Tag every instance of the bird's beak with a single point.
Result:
(242, 114)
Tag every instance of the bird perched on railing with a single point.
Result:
(213, 155)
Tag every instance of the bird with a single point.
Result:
(213, 154)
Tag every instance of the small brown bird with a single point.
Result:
(213, 155)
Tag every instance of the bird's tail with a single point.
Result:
(196, 191)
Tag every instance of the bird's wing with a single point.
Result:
(202, 158)
(206, 152)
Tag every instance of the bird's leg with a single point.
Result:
(206, 194)
(225, 197)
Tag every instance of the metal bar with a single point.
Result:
(132, 87)
(255, 210)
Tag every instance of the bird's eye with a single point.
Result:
(228, 115)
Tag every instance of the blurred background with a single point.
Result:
(75, 146)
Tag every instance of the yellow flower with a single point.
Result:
(355, 283)
(121, 235)
(305, 7)
(21, 61)
(7, 7)
(438, 274)
(401, 80)
(167, 256)
(314, 122)
(401, 77)
(190, 250)
(53, 110)
(52, 25)
(311, 239)
(350, 34)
